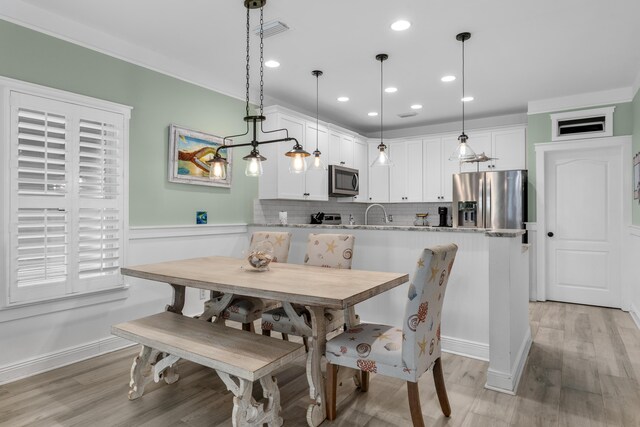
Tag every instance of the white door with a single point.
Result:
(583, 199)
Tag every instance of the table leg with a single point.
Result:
(317, 412)
(179, 293)
(142, 371)
(214, 307)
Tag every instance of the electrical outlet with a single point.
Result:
(203, 294)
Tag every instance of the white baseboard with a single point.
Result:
(635, 315)
(58, 359)
(508, 382)
(473, 349)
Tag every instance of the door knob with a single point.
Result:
(550, 234)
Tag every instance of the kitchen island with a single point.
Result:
(485, 313)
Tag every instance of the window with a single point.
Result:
(66, 197)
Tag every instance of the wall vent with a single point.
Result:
(271, 28)
(407, 115)
(592, 123)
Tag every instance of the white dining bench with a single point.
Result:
(239, 358)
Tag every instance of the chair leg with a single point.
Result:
(305, 341)
(246, 327)
(364, 381)
(331, 390)
(438, 378)
(266, 332)
(285, 337)
(414, 404)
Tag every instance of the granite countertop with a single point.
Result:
(485, 231)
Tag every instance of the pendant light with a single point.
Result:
(463, 152)
(218, 165)
(382, 159)
(316, 163)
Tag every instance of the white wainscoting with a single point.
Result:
(43, 342)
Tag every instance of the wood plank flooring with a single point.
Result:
(583, 370)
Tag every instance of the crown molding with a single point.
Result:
(583, 100)
(32, 17)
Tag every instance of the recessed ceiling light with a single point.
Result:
(400, 25)
(416, 107)
(391, 90)
(373, 114)
(467, 99)
(272, 64)
(447, 79)
(343, 98)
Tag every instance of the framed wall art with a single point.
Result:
(189, 153)
(636, 176)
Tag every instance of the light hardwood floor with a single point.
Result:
(583, 370)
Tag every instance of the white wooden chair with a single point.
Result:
(406, 351)
(247, 310)
(323, 250)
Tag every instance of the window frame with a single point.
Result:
(9, 310)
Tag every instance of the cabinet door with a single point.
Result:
(346, 151)
(290, 185)
(509, 149)
(398, 172)
(378, 178)
(449, 167)
(316, 182)
(361, 162)
(413, 175)
(433, 159)
(479, 143)
(334, 148)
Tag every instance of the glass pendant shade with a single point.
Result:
(316, 163)
(463, 152)
(297, 159)
(382, 159)
(218, 169)
(254, 163)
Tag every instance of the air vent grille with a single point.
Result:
(578, 126)
(271, 28)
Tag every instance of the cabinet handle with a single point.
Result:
(342, 163)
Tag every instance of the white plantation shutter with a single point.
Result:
(67, 209)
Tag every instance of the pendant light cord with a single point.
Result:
(247, 66)
(381, 101)
(463, 86)
(261, 60)
(317, 109)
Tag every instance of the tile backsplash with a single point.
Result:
(299, 212)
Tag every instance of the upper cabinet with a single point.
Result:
(506, 147)
(341, 146)
(378, 177)
(277, 182)
(406, 179)
(438, 169)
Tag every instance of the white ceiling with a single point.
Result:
(519, 51)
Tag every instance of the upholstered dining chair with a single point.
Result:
(246, 310)
(323, 250)
(406, 351)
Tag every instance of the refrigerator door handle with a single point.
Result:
(487, 200)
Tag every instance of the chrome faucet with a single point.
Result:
(366, 214)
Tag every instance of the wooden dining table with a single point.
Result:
(329, 294)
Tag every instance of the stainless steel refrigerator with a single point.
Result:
(495, 200)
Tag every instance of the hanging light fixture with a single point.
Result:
(382, 159)
(316, 163)
(218, 165)
(463, 152)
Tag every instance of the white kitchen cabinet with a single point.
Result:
(506, 146)
(277, 182)
(405, 176)
(438, 169)
(361, 163)
(341, 148)
(378, 177)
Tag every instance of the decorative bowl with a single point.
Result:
(261, 256)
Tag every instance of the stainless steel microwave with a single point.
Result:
(343, 182)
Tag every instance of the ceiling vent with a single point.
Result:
(593, 123)
(407, 115)
(271, 28)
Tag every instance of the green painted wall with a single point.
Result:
(157, 101)
(539, 130)
(636, 149)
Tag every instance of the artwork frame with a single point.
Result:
(636, 176)
(186, 166)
